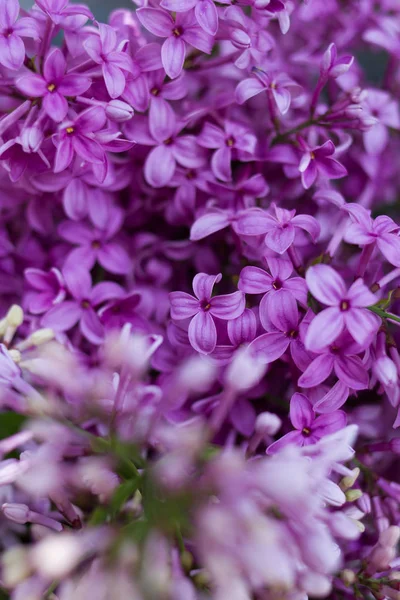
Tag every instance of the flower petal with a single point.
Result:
(269, 347)
(333, 399)
(63, 316)
(320, 368)
(324, 329)
(254, 280)
(208, 224)
(352, 372)
(159, 166)
(293, 437)
(115, 259)
(158, 22)
(221, 163)
(229, 306)
(183, 305)
(207, 16)
(203, 333)
(279, 239)
(12, 51)
(173, 56)
(301, 411)
(203, 285)
(362, 324)
(325, 284)
(54, 66)
(33, 86)
(55, 106)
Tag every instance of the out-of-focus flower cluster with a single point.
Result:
(199, 260)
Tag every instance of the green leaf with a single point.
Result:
(10, 423)
(122, 495)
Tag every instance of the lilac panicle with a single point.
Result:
(237, 441)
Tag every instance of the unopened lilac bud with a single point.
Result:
(119, 111)
(385, 370)
(348, 481)
(390, 536)
(364, 503)
(240, 39)
(353, 495)
(332, 66)
(15, 316)
(348, 577)
(42, 336)
(32, 138)
(19, 513)
(267, 424)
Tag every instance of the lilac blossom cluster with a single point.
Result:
(199, 258)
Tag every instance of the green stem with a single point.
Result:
(383, 314)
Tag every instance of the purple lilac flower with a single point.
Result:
(47, 289)
(280, 227)
(203, 308)
(12, 29)
(81, 308)
(318, 161)
(105, 51)
(308, 428)
(233, 140)
(347, 308)
(54, 85)
(178, 32)
(381, 232)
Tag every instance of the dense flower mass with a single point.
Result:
(199, 259)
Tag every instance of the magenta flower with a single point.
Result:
(97, 245)
(341, 358)
(12, 48)
(105, 51)
(162, 131)
(282, 324)
(334, 66)
(59, 10)
(381, 106)
(179, 32)
(54, 85)
(308, 428)
(347, 309)
(319, 161)
(254, 280)
(203, 308)
(79, 137)
(382, 232)
(81, 308)
(205, 12)
(47, 289)
(233, 141)
(281, 88)
(280, 228)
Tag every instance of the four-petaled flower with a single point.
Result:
(308, 428)
(54, 85)
(279, 228)
(233, 141)
(179, 32)
(318, 161)
(382, 232)
(347, 309)
(203, 308)
(104, 50)
(12, 48)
